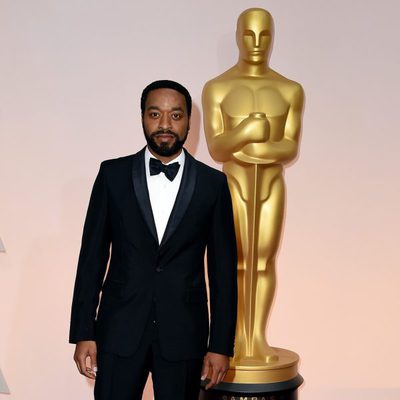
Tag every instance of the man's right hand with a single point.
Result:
(83, 350)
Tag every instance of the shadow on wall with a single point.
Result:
(3, 385)
(192, 142)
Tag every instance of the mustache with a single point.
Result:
(165, 131)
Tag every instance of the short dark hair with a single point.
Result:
(166, 84)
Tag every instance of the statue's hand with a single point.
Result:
(256, 127)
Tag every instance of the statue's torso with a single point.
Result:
(242, 97)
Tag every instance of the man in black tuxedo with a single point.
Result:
(158, 210)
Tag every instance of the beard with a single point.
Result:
(164, 149)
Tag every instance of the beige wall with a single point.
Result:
(71, 73)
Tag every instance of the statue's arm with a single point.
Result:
(287, 148)
(223, 143)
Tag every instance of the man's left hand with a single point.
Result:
(217, 365)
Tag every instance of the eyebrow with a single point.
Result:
(159, 109)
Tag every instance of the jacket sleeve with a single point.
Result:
(222, 275)
(92, 263)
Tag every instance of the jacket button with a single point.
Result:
(159, 269)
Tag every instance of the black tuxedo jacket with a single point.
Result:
(143, 273)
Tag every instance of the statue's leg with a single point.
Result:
(245, 183)
(271, 213)
(241, 231)
(258, 196)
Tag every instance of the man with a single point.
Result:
(159, 209)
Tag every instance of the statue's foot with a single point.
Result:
(260, 354)
(240, 349)
(263, 351)
(271, 358)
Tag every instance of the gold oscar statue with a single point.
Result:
(252, 120)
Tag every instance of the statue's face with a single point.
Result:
(254, 36)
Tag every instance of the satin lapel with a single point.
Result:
(183, 197)
(141, 191)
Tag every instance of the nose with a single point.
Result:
(165, 122)
(257, 40)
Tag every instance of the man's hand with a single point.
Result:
(83, 350)
(218, 364)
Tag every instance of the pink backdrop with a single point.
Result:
(71, 74)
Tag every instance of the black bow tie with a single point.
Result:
(170, 170)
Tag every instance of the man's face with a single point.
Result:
(165, 121)
(254, 36)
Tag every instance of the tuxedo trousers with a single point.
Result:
(124, 378)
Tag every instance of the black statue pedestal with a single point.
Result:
(258, 391)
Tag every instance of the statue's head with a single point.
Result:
(254, 35)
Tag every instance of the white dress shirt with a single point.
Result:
(162, 191)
